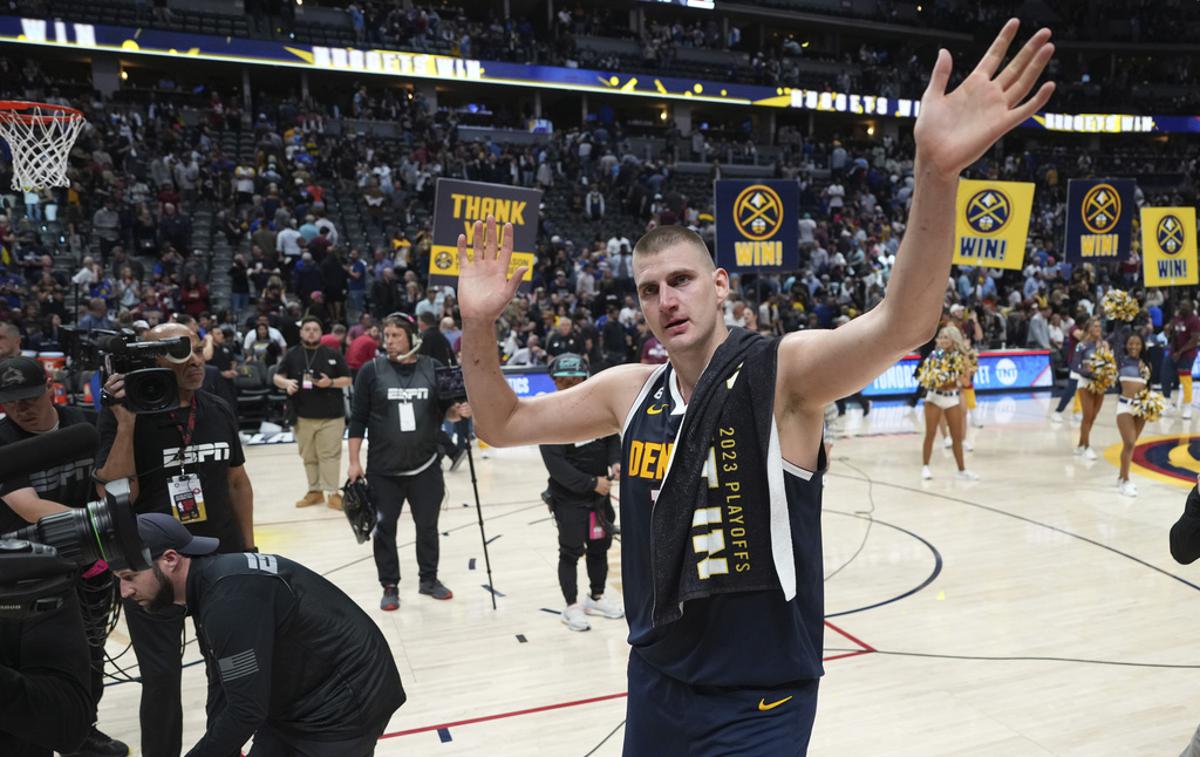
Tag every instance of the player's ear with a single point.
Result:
(720, 279)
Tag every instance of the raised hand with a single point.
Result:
(954, 129)
(484, 287)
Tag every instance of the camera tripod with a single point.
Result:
(491, 587)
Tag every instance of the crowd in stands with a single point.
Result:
(118, 248)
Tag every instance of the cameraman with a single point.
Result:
(580, 480)
(396, 402)
(186, 462)
(44, 702)
(25, 394)
(292, 660)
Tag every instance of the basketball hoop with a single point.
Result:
(40, 136)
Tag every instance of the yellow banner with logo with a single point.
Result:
(1169, 247)
(991, 223)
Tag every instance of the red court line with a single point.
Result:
(846, 654)
(501, 715)
(866, 649)
(865, 646)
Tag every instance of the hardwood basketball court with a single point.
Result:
(1037, 567)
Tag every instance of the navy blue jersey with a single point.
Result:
(738, 639)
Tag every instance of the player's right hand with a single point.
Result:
(484, 288)
(354, 472)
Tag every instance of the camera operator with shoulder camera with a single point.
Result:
(295, 662)
(396, 403)
(580, 480)
(25, 394)
(186, 462)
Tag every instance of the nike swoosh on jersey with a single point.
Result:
(763, 706)
(655, 409)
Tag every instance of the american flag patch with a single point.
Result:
(238, 666)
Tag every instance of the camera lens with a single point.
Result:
(151, 390)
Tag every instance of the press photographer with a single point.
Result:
(64, 484)
(45, 703)
(184, 461)
(293, 661)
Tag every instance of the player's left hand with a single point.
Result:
(954, 129)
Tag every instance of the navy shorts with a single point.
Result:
(665, 717)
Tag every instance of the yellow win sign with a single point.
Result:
(1169, 247)
(991, 222)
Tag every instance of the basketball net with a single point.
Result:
(40, 137)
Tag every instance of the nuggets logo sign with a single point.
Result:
(1169, 234)
(758, 212)
(1099, 219)
(1169, 247)
(1101, 209)
(988, 211)
(991, 223)
(756, 225)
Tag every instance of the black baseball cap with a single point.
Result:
(568, 364)
(21, 378)
(160, 532)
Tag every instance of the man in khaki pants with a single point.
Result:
(314, 375)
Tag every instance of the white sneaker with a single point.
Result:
(1187, 413)
(968, 446)
(1079, 451)
(573, 618)
(926, 474)
(947, 443)
(1056, 418)
(603, 607)
(1077, 417)
(1128, 489)
(967, 475)
(1089, 453)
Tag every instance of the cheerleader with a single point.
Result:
(1133, 375)
(1091, 356)
(943, 374)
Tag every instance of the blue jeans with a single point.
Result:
(238, 302)
(354, 303)
(1068, 393)
(1172, 367)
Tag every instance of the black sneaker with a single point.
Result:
(391, 599)
(100, 744)
(435, 589)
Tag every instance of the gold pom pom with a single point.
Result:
(1119, 306)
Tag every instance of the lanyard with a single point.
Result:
(187, 435)
(308, 361)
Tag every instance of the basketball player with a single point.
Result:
(727, 639)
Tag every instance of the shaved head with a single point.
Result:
(168, 331)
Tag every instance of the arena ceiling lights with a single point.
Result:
(412, 65)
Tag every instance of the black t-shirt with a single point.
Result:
(67, 483)
(557, 344)
(213, 449)
(316, 403)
